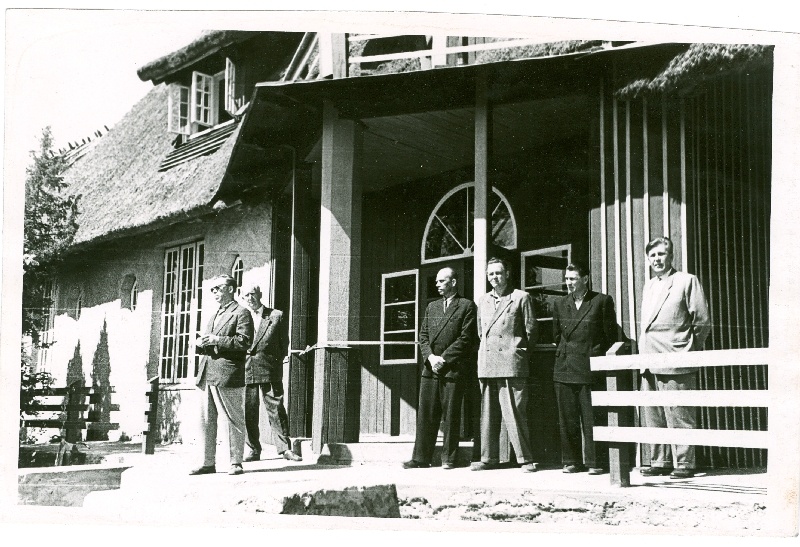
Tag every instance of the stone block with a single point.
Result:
(357, 501)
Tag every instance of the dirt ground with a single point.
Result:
(536, 507)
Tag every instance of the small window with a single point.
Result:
(178, 110)
(237, 273)
(399, 320)
(203, 95)
(234, 87)
(129, 292)
(543, 278)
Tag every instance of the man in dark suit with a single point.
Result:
(584, 326)
(447, 339)
(264, 376)
(221, 375)
(508, 330)
(674, 318)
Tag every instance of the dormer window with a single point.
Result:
(207, 102)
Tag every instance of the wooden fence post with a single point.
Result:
(151, 418)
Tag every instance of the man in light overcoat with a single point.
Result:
(674, 318)
(221, 375)
(507, 329)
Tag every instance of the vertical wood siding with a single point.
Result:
(696, 170)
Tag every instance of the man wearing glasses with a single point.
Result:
(221, 376)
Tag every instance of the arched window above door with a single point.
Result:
(449, 231)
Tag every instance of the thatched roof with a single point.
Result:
(122, 191)
(207, 43)
(699, 63)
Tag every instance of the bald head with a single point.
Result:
(446, 281)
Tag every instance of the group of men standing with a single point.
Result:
(244, 351)
(502, 330)
(243, 354)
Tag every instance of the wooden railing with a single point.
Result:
(620, 399)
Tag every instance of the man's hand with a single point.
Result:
(437, 362)
(207, 340)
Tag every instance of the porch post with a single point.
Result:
(302, 310)
(784, 292)
(336, 371)
(483, 143)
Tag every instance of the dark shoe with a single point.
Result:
(252, 457)
(204, 470)
(530, 467)
(483, 466)
(448, 465)
(573, 468)
(414, 464)
(682, 474)
(236, 469)
(655, 471)
(291, 456)
(596, 471)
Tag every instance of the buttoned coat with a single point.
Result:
(580, 334)
(266, 353)
(675, 318)
(452, 335)
(222, 365)
(507, 335)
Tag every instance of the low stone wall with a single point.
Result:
(66, 486)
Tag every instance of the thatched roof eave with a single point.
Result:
(206, 44)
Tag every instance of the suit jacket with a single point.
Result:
(580, 334)
(674, 317)
(506, 333)
(223, 364)
(265, 355)
(451, 334)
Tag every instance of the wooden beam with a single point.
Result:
(686, 359)
(700, 398)
(695, 437)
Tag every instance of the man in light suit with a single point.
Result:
(674, 318)
(447, 338)
(584, 325)
(263, 374)
(507, 330)
(221, 375)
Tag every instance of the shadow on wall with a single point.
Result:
(100, 415)
(168, 424)
(75, 376)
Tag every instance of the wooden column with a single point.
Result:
(483, 148)
(336, 372)
(302, 304)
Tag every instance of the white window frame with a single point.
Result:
(234, 92)
(177, 363)
(468, 245)
(203, 109)
(548, 251)
(46, 339)
(178, 109)
(237, 273)
(134, 294)
(384, 304)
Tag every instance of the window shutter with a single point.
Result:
(201, 99)
(234, 87)
(178, 109)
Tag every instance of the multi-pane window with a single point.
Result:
(181, 311)
(203, 95)
(178, 110)
(543, 278)
(399, 321)
(449, 233)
